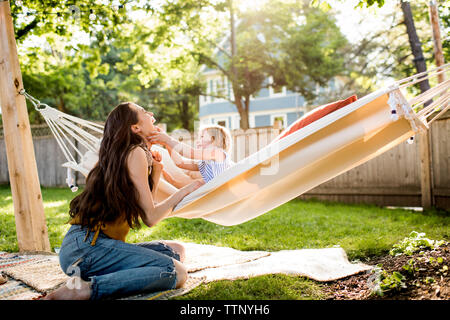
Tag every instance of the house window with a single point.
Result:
(220, 86)
(277, 89)
(223, 121)
(278, 119)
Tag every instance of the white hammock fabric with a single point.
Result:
(288, 167)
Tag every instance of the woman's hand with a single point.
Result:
(160, 137)
(157, 166)
(194, 185)
(156, 155)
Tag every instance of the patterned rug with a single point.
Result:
(43, 275)
(17, 290)
(11, 259)
(13, 289)
(30, 278)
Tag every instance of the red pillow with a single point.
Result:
(316, 114)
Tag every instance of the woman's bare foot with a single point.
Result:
(73, 289)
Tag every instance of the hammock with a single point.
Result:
(294, 164)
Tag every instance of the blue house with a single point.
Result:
(268, 106)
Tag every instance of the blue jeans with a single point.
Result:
(116, 268)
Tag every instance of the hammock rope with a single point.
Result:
(66, 129)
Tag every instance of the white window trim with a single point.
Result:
(278, 115)
(227, 121)
(251, 120)
(237, 122)
(273, 94)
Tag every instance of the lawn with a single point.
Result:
(363, 231)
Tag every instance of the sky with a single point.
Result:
(349, 18)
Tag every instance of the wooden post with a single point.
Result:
(424, 138)
(426, 181)
(425, 149)
(26, 192)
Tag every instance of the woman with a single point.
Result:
(119, 193)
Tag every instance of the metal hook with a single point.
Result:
(36, 103)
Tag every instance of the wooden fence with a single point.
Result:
(392, 178)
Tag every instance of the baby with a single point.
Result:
(210, 157)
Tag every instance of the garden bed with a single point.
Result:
(426, 277)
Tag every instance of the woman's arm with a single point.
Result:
(184, 149)
(176, 182)
(181, 162)
(157, 169)
(138, 170)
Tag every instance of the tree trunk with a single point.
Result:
(243, 111)
(438, 54)
(185, 116)
(416, 45)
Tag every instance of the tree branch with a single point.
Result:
(212, 62)
(25, 30)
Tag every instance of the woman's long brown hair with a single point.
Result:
(109, 192)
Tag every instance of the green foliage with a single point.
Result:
(311, 54)
(410, 267)
(383, 281)
(413, 243)
(100, 19)
(96, 64)
(87, 66)
(387, 282)
(361, 3)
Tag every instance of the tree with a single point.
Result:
(58, 68)
(265, 44)
(98, 19)
(416, 46)
(122, 60)
(390, 50)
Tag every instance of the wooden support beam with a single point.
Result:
(424, 138)
(425, 169)
(31, 227)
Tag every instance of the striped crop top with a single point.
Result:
(211, 168)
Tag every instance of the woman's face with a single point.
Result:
(146, 121)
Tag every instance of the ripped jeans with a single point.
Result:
(116, 268)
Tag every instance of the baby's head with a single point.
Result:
(215, 135)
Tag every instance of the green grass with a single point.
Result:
(361, 230)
